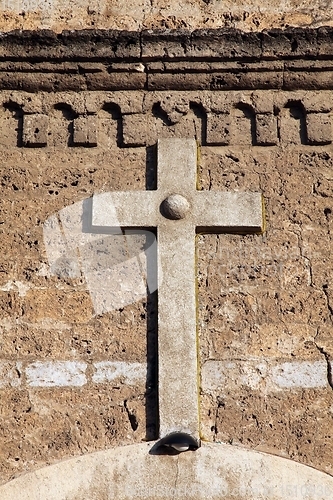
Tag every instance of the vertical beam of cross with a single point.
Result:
(177, 332)
(178, 211)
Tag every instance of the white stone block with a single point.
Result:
(56, 373)
(261, 374)
(110, 371)
(303, 374)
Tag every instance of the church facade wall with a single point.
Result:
(81, 114)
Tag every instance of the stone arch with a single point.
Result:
(109, 126)
(183, 120)
(11, 119)
(243, 124)
(292, 123)
(200, 121)
(61, 125)
(213, 471)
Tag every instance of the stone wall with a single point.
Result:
(78, 375)
(151, 14)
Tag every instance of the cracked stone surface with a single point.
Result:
(293, 300)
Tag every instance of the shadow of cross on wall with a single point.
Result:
(178, 211)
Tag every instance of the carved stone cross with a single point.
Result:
(179, 211)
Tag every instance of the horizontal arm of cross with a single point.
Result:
(225, 212)
(210, 211)
(125, 208)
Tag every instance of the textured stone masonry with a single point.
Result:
(265, 118)
(77, 122)
(144, 14)
(224, 59)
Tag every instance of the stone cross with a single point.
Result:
(179, 211)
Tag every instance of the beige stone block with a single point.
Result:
(281, 245)
(46, 339)
(227, 170)
(244, 420)
(275, 339)
(10, 374)
(309, 210)
(278, 340)
(293, 190)
(317, 102)
(263, 100)
(266, 130)
(85, 131)
(292, 125)
(319, 128)
(118, 335)
(304, 306)
(218, 129)
(135, 129)
(59, 305)
(35, 130)
(261, 159)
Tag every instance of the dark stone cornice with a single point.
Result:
(222, 59)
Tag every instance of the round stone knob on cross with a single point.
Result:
(175, 207)
(178, 211)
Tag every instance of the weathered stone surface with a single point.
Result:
(35, 129)
(218, 129)
(265, 303)
(135, 131)
(319, 128)
(266, 130)
(85, 132)
(190, 14)
(213, 471)
(279, 290)
(221, 59)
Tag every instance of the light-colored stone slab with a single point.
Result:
(221, 377)
(178, 211)
(214, 471)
